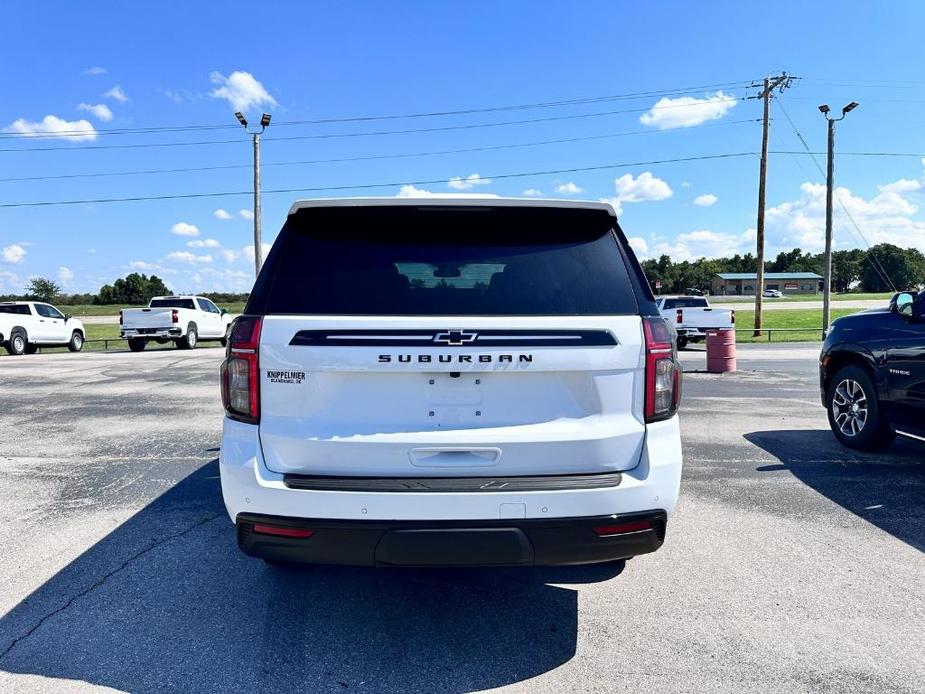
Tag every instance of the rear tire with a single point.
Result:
(76, 342)
(854, 412)
(190, 340)
(136, 344)
(18, 343)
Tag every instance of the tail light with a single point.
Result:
(175, 316)
(241, 371)
(663, 375)
(679, 316)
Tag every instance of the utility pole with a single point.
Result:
(768, 85)
(255, 135)
(829, 189)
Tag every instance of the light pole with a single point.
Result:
(255, 134)
(829, 188)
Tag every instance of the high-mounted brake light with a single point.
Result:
(241, 370)
(679, 316)
(663, 376)
(174, 316)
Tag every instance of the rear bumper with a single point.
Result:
(524, 542)
(249, 487)
(153, 333)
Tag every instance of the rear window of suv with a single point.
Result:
(433, 260)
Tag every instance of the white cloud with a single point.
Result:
(65, 275)
(532, 193)
(150, 267)
(705, 244)
(687, 111)
(14, 254)
(903, 185)
(117, 94)
(569, 188)
(99, 111)
(887, 217)
(467, 183)
(230, 255)
(10, 281)
(184, 229)
(221, 214)
(203, 243)
(249, 251)
(705, 200)
(95, 70)
(241, 90)
(246, 214)
(187, 257)
(644, 188)
(412, 192)
(91, 251)
(685, 184)
(53, 127)
(639, 245)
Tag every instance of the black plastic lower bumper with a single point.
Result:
(541, 542)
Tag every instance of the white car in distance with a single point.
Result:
(183, 320)
(27, 325)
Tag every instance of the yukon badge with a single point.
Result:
(455, 338)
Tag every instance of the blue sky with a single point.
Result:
(134, 65)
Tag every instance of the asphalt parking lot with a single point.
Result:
(791, 565)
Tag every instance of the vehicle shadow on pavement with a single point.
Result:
(166, 602)
(885, 488)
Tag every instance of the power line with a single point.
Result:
(397, 116)
(851, 154)
(870, 255)
(370, 157)
(363, 186)
(325, 136)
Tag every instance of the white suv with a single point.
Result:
(439, 382)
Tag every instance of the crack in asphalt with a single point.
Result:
(99, 582)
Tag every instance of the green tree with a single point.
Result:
(43, 289)
(905, 267)
(132, 289)
(846, 269)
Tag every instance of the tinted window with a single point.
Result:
(445, 261)
(686, 302)
(48, 311)
(208, 306)
(172, 303)
(21, 310)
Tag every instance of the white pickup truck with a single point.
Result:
(692, 316)
(27, 325)
(183, 320)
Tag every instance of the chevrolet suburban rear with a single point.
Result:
(440, 382)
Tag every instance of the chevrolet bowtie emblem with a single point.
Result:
(455, 338)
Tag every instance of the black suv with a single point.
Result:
(872, 373)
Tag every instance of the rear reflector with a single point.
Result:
(283, 532)
(620, 528)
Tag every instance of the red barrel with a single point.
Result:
(721, 351)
